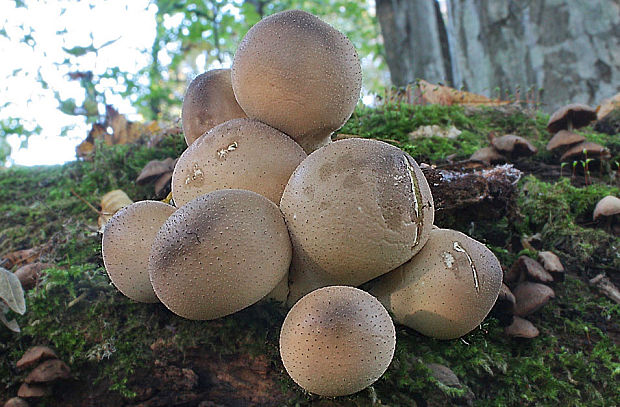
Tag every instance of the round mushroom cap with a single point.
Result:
(126, 245)
(238, 154)
(444, 291)
(337, 341)
(571, 116)
(357, 209)
(299, 75)
(608, 206)
(514, 145)
(209, 101)
(592, 150)
(564, 138)
(219, 253)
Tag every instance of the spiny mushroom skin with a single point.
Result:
(126, 245)
(446, 290)
(356, 209)
(209, 101)
(299, 75)
(219, 253)
(337, 341)
(238, 154)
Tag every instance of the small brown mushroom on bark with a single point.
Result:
(571, 117)
(530, 297)
(35, 355)
(563, 139)
(551, 262)
(522, 328)
(514, 146)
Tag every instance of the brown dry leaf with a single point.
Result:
(607, 106)
(428, 93)
(111, 203)
(22, 257)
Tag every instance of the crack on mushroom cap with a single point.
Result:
(219, 253)
(337, 341)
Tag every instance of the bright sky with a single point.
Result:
(131, 22)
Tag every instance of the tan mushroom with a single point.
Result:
(444, 291)
(551, 262)
(606, 207)
(337, 341)
(488, 155)
(531, 297)
(35, 355)
(526, 268)
(238, 154)
(356, 209)
(521, 328)
(563, 139)
(49, 371)
(209, 101)
(585, 149)
(571, 117)
(299, 75)
(16, 402)
(126, 246)
(219, 253)
(34, 390)
(513, 145)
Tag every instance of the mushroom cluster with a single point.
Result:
(257, 217)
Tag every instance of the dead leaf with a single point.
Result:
(423, 93)
(21, 257)
(111, 203)
(607, 106)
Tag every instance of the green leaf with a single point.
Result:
(11, 291)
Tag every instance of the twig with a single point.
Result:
(86, 202)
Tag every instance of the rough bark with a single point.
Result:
(569, 49)
(411, 32)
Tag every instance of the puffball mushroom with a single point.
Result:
(444, 291)
(356, 209)
(337, 341)
(126, 245)
(238, 154)
(299, 75)
(209, 101)
(219, 253)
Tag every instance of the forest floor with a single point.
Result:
(122, 353)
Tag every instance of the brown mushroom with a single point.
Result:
(528, 268)
(30, 274)
(238, 154)
(514, 146)
(444, 291)
(606, 207)
(49, 371)
(488, 155)
(16, 402)
(357, 209)
(337, 341)
(126, 246)
(531, 297)
(564, 139)
(551, 262)
(571, 117)
(504, 307)
(219, 253)
(209, 101)
(521, 328)
(585, 149)
(33, 390)
(35, 355)
(299, 75)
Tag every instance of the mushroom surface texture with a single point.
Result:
(299, 75)
(564, 138)
(126, 245)
(444, 291)
(515, 146)
(357, 209)
(571, 117)
(209, 101)
(337, 341)
(238, 154)
(219, 253)
(608, 206)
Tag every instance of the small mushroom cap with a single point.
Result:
(299, 75)
(35, 355)
(575, 115)
(49, 371)
(444, 291)
(126, 246)
(608, 206)
(488, 155)
(593, 150)
(16, 402)
(357, 208)
(337, 341)
(564, 138)
(238, 154)
(521, 328)
(219, 253)
(34, 390)
(209, 101)
(531, 297)
(528, 268)
(514, 145)
(551, 262)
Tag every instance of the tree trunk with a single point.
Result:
(413, 44)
